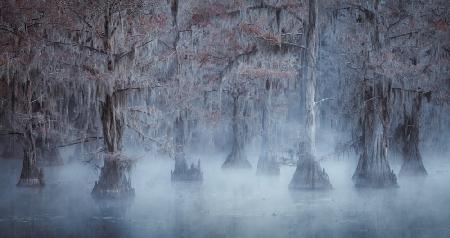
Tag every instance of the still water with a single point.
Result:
(227, 204)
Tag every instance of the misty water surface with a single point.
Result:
(227, 204)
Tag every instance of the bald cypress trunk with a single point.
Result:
(114, 180)
(412, 159)
(267, 164)
(373, 168)
(182, 172)
(309, 174)
(237, 158)
(31, 175)
(310, 76)
(112, 122)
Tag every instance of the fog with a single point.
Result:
(309, 118)
(226, 204)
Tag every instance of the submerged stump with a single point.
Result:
(114, 180)
(309, 175)
(183, 172)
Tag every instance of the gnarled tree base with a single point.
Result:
(413, 168)
(30, 182)
(309, 175)
(31, 175)
(114, 181)
(267, 166)
(375, 178)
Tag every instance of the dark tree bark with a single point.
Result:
(112, 122)
(412, 159)
(31, 175)
(373, 168)
(114, 181)
(237, 158)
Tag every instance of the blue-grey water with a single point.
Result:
(227, 204)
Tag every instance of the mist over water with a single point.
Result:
(227, 204)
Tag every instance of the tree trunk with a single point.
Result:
(373, 168)
(112, 123)
(267, 164)
(309, 174)
(237, 158)
(114, 181)
(412, 159)
(31, 175)
(310, 77)
(182, 171)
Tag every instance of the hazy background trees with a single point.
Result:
(123, 71)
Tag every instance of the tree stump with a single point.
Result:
(183, 172)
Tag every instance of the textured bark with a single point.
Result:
(310, 76)
(31, 175)
(267, 164)
(309, 174)
(237, 157)
(112, 123)
(114, 181)
(373, 168)
(412, 159)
